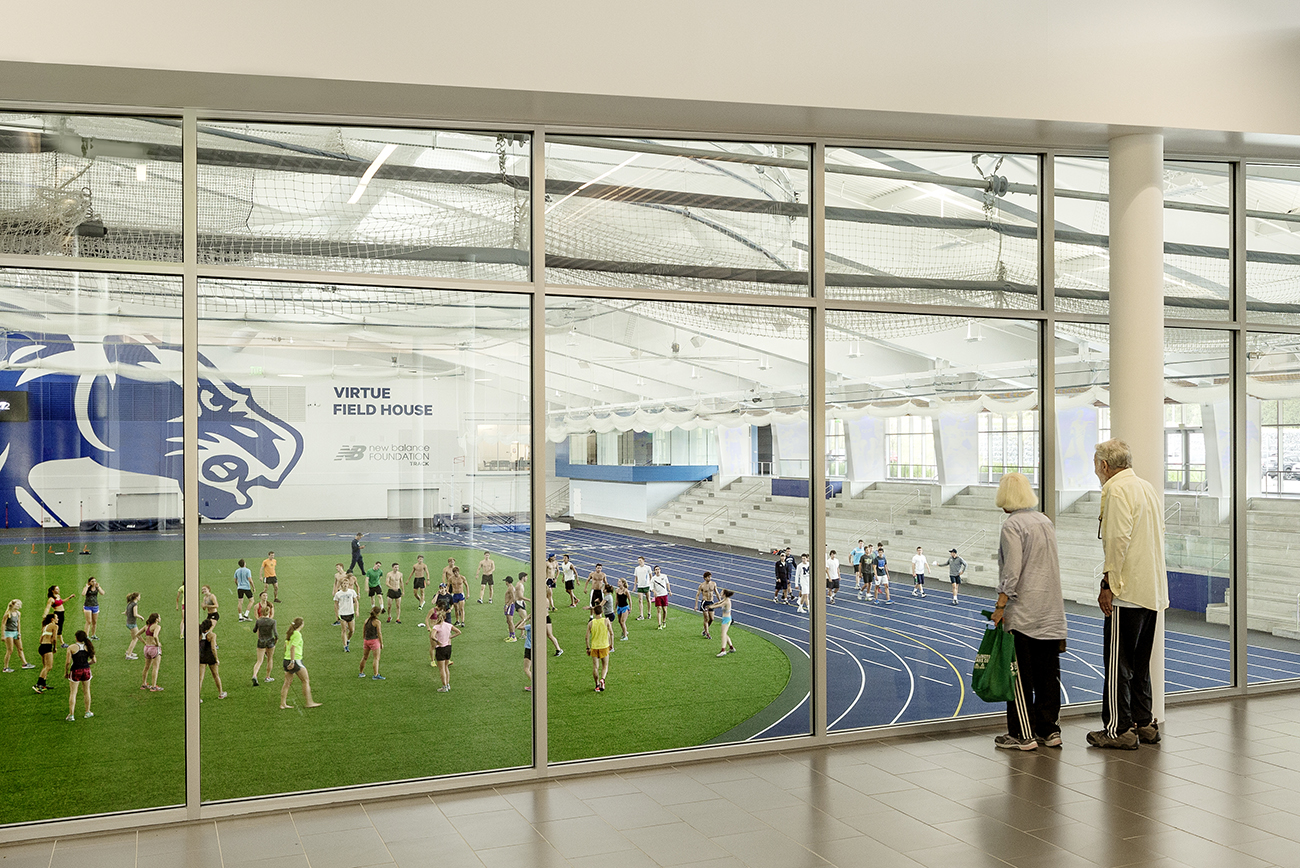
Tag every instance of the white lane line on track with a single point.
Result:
(793, 642)
(927, 663)
(881, 665)
(862, 685)
(936, 680)
(1081, 624)
(801, 704)
(911, 679)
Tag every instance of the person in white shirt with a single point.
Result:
(661, 589)
(1134, 590)
(570, 573)
(832, 576)
(645, 603)
(918, 573)
(346, 600)
(802, 579)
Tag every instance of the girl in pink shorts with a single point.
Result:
(372, 636)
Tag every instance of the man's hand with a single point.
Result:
(1104, 600)
(997, 615)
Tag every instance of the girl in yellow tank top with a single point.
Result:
(598, 647)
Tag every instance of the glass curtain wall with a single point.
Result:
(359, 518)
(377, 422)
(1273, 511)
(91, 562)
(1272, 420)
(1198, 508)
(673, 565)
(900, 648)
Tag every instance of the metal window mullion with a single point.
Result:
(190, 458)
(1238, 579)
(1047, 333)
(817, 434)
(537, 431)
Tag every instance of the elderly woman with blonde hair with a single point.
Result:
(1031, 608)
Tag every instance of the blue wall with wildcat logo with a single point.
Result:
(132, 424)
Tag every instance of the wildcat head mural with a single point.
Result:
(119, 403)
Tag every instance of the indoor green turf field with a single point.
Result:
(665, 688)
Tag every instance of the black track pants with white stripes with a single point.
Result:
(1036, 710)
(1126, 637)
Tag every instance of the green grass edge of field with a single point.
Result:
(666, 690)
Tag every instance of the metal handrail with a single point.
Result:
(1175, 508)
(866, 535)
(969, 543)
(708, 520)
(894, 510)
(554, 500)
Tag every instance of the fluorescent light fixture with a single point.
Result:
(698, 341)
(296, 376)
(142, 173)
(764, 363)
(695, 375)
(973, 332)
(370, 173)
(602, 176)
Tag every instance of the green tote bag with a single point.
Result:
(993, 679)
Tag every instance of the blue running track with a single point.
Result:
(907, 661)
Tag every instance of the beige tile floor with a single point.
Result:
(1221, 791)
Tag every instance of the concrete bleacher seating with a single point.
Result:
(744, 514)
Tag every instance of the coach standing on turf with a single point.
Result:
(1134, 590)
(356, 555)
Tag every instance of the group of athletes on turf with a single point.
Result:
(609, 605)
(608, 608)
(794, 578)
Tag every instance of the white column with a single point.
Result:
(1137, 390)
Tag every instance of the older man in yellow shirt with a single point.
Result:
(1134, 590)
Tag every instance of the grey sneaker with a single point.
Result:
(1010, 742)
(1149, 734)
(1051, 740)
(1123, 741)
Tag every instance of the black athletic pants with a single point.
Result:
(1036, 710)
(1127, 636)
(356, 562)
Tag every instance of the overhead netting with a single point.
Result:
(387, 201)
(926, 227)
(101, 187)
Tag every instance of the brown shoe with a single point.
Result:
(1149, 734)
(1124, 741)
